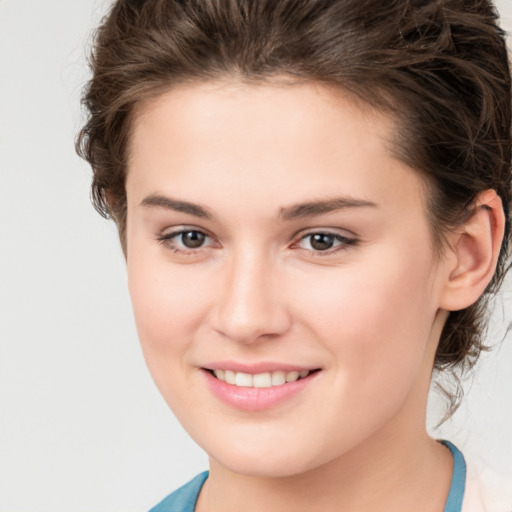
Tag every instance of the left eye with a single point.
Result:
(323, 241)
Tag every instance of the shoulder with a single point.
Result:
(486, 491)
(476, 487)
(183, 499)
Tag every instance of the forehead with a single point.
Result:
(277, 140)
(256, 108)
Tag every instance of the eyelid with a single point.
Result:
(182, 228)
(346, 241)
(168, 235)
(167, 238)
(336, 232)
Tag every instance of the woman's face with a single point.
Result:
(273, 237)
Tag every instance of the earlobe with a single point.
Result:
(476, 247)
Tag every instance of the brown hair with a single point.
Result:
(439, 67)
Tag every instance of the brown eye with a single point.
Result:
(192, 239)
(186, 240)
(325, 242)
(321, 241)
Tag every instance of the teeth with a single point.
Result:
(243, 380)
(260, 380)
(278, 378)
(220, 374)
(292, 376)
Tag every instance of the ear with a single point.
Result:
(476, 246)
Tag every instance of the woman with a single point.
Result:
(312, 198)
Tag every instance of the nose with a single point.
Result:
(251, 305)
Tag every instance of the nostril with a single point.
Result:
(261, 323)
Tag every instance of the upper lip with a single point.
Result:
(259, 367)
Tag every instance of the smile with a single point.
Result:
(259, 380)
(258, 391)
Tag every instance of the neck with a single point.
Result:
(394, 474)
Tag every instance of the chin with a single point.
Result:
(273, 460)
(262, 466)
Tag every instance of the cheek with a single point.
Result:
(375, 319)
(168, 303)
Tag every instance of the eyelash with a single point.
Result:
(167, 240)
(344, 243)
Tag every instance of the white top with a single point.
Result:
(486, 491)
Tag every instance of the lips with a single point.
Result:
(257, 387)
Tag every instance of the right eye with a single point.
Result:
(186, 240)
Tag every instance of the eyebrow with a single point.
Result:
(158, 201)
(297, 211)
(314, 208)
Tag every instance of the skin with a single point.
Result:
(368, 314)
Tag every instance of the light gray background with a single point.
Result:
(82, 427)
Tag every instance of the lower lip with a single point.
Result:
(256, 399)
